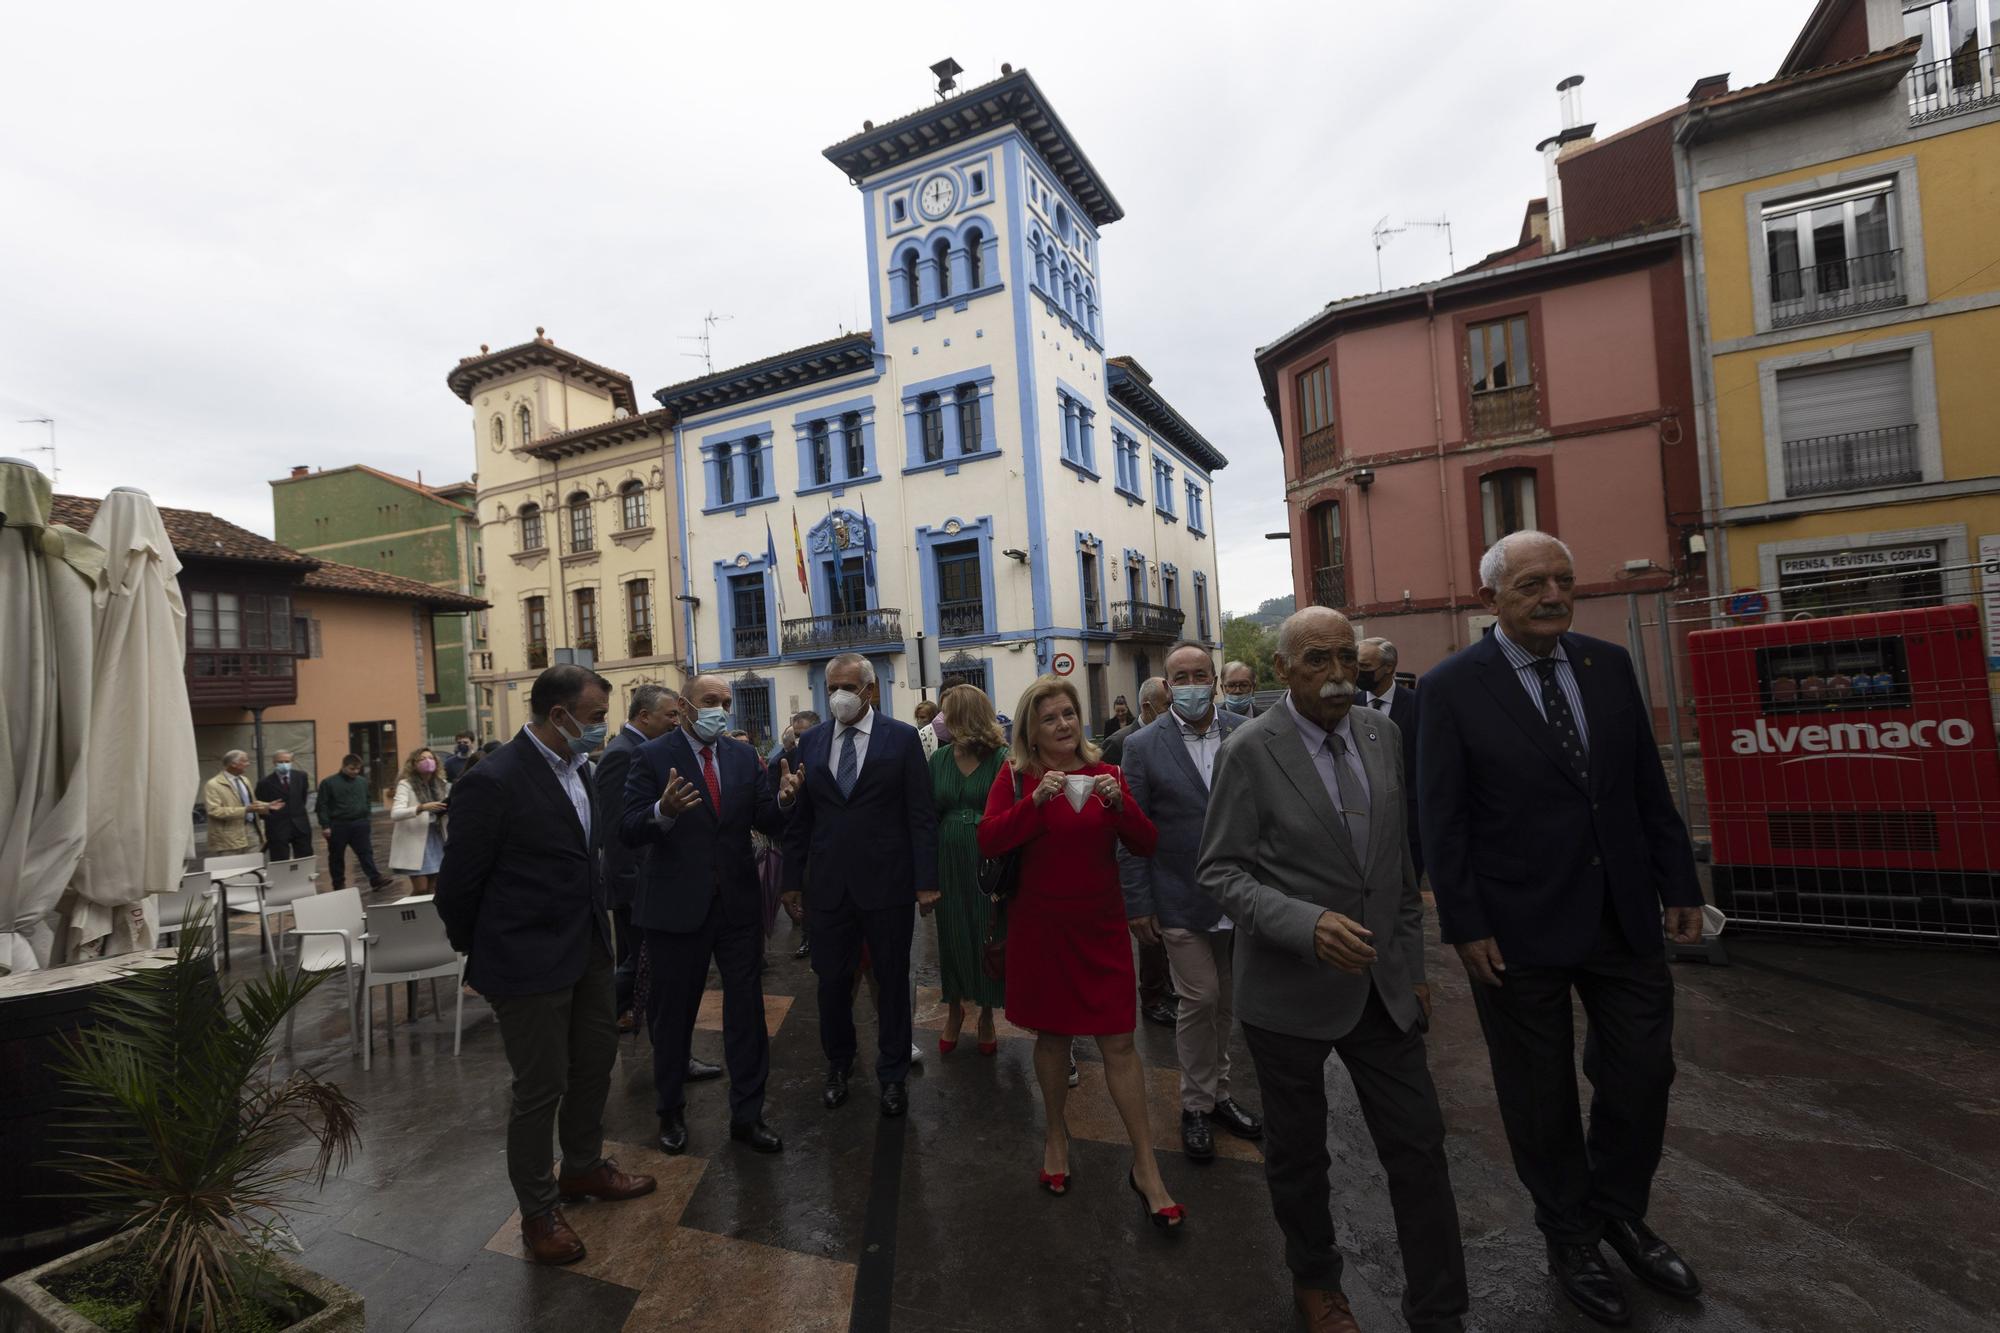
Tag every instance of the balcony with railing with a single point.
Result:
(640, 643)
(1504, 411)
(747, 641)
(961, 619)
(875, 631)
(1966, 80)
(1317, 453)
(1841, 287)
(1146, 621)
(1330, 586)
(1856, 461)
(538, 656)
(233, 679)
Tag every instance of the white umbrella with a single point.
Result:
(144, 775)
(47, 575)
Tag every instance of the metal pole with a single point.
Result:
(923, 675)
(1635, 641)
(1674, 713)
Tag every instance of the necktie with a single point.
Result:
(714, 782)
(243, 795)
(850, 765)
(1353, 805)
(1374, 701)
(1555, 707)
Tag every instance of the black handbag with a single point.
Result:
(1000, 876)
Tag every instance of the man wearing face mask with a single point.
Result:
(654, 711)
(1170, 767)
(1239, 689)
(692, 796)
(862, 834)
(288, 829)
(462, 746)
(1380, 691)
(521, 893)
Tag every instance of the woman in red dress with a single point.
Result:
(1069, 957)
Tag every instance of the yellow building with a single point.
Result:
(1846, 308)
(576, 524)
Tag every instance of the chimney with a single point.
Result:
(300, 470)
(1570, 90)
(1570, 93)
(1708, 86)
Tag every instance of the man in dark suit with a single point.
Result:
(1377, 659)
(1152, 702)
(1158, 1002)
(692, 797)
(288, 833)
(655, 710)
(522, 896)
(1555, 851)
(861, 842)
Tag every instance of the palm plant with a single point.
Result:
(183, 1134)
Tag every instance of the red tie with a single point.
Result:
(708, 776)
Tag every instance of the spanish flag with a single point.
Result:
(799, 550)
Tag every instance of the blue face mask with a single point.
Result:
(284, 767)
(1237, 703)
(1193, 701)
(709, 723)
(587, 741)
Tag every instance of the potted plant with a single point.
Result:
(182, 1132)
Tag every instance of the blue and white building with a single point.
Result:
(980, 493)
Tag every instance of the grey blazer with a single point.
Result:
(1275, 856)
(1168, 787)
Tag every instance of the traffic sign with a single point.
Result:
(1064, 664)
(1748, 603)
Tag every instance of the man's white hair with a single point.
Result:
(1386, 648)
(855, 660)
(1288, 632)
(1228, 667)
(233, 756)
(1499, 557)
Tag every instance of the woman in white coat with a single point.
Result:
(416, 843)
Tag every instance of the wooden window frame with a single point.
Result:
(1328, 432)
(1546, 519)
(1530, 308)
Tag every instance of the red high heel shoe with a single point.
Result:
(1170, 1219)
(946, 1045)
(989, 1048)
(1057, 1184)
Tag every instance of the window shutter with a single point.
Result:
(1872, 394)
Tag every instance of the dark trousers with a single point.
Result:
(626, 978)
(289, 843)
(1579, 1180)
(355, 834)
(679, 964)
(838, 933)
(1393, 1084)
(560, 1045)
(1155, 982)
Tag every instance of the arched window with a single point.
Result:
(822, 453)
(975, 260)
(1507, 502)
(913, 293)
(1041, 270)
(941, 254)
(1326, 554)
(857, 449)
(632, 504)
(532, 537)
(526, 422)
(499, 432)
(930, 413)
(582, 532)
(970, 437)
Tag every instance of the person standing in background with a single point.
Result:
(962, 774)
(654, 711)
(416, 840)
(1239, 689)
(1157, 1001)
(462, 747)
(1380, 691)
(288, 828)
(342, 812)
(233, 810)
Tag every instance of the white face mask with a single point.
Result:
(846, 705)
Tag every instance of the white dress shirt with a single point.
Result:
(1314, 737)
(569, 772)
(861, 727)
(1202, 746)
(1385, 698)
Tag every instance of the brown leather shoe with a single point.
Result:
(1324, 1311)
(606, 1182)
(549, 1239)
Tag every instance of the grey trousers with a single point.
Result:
(1199, 961)
(561, 1046)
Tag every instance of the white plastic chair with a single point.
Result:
(240, 878)
(286, 882)
(407, 943)
(331, 932)
(189, 907)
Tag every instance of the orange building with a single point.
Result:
(287, 652)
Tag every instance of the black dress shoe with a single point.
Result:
(804, 950)
(1590, 1285)
(700, 1071)
(1163, 1013)
(895, 1100)
(1237, 1120)
(1196, 1140)
(835, 1092)
(673, 1134)
(757, 1134)
(1652, 1260)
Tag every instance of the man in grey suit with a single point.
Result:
(1305, 851)
(1169, 766)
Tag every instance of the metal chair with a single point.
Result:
(331, 932)
(240, 878)
(286, 881)
(407, 943)
(189, 907)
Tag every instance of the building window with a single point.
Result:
(1127, 450)
(586, 618)
(941, 257)
(480, 626)
(960, 590)
(1170, 586)
(975, 259)
(1324, 555)
(1135, 578)
(1833, 254)
(847, 585)
(857, 448)
(1079, 432)
(1201, 607)
(725, 476)
(913, 292)
(1316, 448)
(970, 440)
(822, 454)
(1195, 521)
(751, 702)
(1500, 376)
(1163, 486)
(1839, 583)
(1507, 502)
(639, 616)
(1093, 598)
(1955, 66)
(632, 504)
(215, 620)
(930, 416)
(532, 538)
(750, 622)
(535, 611)
(526, 422)
(582, 530)
(499, 433)
(1850, 426)
(964, 669)
(753, 469)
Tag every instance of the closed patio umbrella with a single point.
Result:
(144, 775)
(47, 576)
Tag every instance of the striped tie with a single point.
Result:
(850, 765)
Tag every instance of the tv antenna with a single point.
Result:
(1383, 231)
(707, 340)
(55, 473)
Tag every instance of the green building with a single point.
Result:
(376, 520)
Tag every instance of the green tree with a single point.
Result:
(1244, 640)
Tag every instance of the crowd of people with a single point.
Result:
(1210, 864)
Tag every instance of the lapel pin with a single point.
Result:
(1371, 735)
(1586, 661)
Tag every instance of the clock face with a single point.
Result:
(936, 197)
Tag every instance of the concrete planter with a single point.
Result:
(27, 1307)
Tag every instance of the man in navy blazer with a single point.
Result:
(522, 896)
(1556, 856)
(1377, 658)
(861, 843)
(692, 797)
(655, 710)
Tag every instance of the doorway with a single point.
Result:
(1095, 706)
(375, 742)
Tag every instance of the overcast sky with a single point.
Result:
(238, 237)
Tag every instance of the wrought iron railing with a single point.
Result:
(1966, 80)
(1146, 620)
(881, 627)
(749, 641)
(640, 643)
(1330, 586)
(961, 618)
(538, 656)
(1842, 287)
(1317, 452)
(1504, 411)
(1855, 461)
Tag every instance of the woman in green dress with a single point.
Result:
(962, 774)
